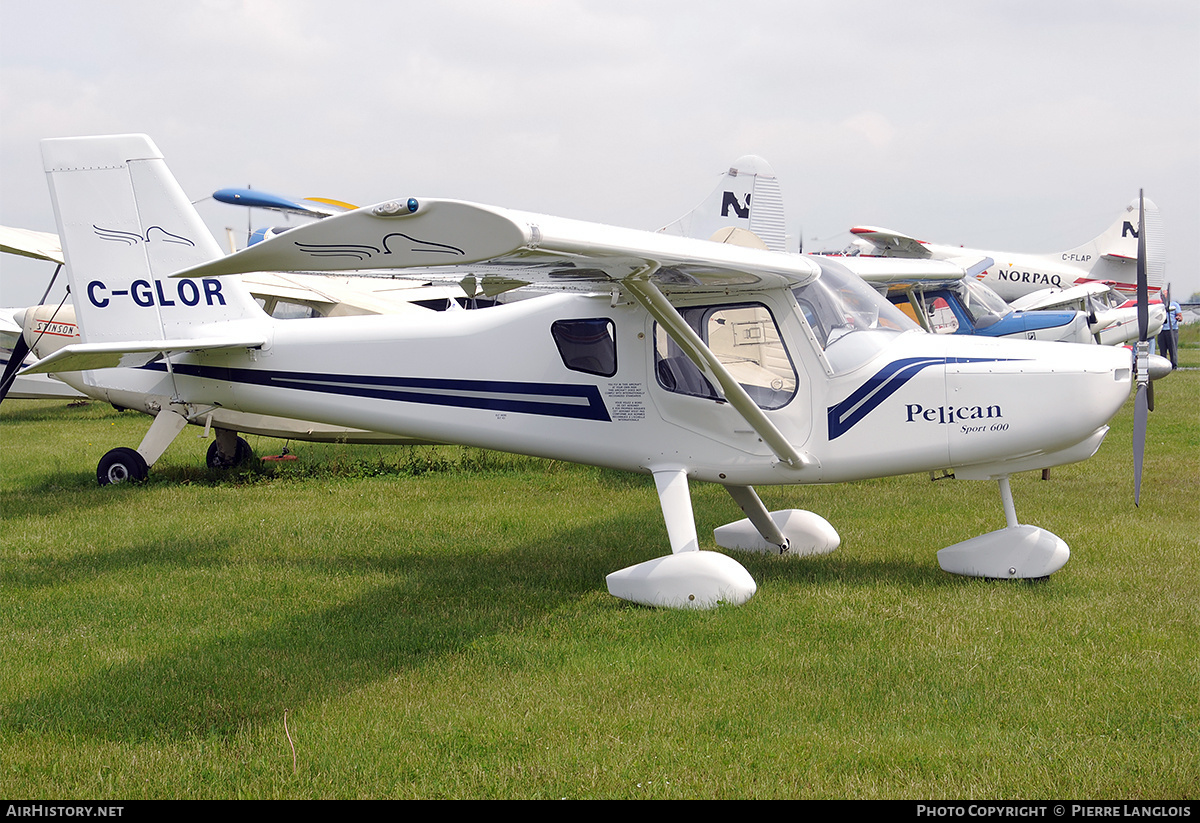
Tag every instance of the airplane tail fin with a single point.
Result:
(125, 225)
(1113, 254)
(746, 197)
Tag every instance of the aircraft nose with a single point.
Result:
(1113, 378)
(27, 332)
(1036, 399)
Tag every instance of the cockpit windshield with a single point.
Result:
(851, 321)
(980, 301)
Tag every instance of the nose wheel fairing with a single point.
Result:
(1014, 552)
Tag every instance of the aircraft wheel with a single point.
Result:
(217, 460)
(120, 466)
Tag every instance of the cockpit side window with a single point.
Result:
(588, 346)
(745, 340)
(942, 319)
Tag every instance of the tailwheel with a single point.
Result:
(218, 458)
(122, 465)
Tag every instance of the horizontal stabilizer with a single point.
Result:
(87, 356)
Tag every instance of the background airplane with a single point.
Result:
(969, 307)
(1112, 316)
(1110, 257)
(28, 387)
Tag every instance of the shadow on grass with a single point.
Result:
(431, 606)
(238, 679)
(845, 570)
(170, 552)
(65, 491)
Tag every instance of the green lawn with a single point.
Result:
(434, 623)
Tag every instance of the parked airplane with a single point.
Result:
(1112, 317)
(1111, 257)
(1093, 312)
(13, 353)
(682, 359)
(969, 307)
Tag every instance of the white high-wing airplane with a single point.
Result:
(1112, 317)
(1093, 312)
(1111, 257)
(40, 246)
(679, 358)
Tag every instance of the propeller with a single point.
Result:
(1143, 400)
(21, 349)
(15, 361)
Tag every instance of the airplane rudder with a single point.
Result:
(125, 226)
(747, 196)
(1156, 255)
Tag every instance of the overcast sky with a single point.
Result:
(1015, 126)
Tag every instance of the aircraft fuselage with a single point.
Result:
(498, 378)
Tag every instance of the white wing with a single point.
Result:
(1056, 298)
(891, 243)
(454, 238)
(37, 244)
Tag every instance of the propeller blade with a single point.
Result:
(1143, 300)
(15, 361)
(1150, 395)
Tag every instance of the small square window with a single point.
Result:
(588, 346)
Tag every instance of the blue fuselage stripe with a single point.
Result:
(882, 385)
(582, 402)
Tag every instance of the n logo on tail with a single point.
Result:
(730, 201)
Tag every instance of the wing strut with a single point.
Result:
(647, 294)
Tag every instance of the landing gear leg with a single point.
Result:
(228, 450)
(124, 464)
(792, 532)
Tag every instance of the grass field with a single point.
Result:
(372, 622)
